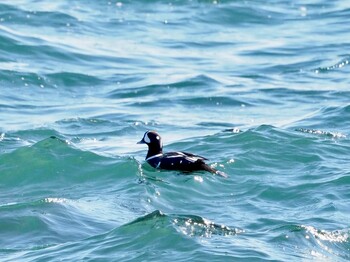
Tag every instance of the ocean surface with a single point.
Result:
(261, 88)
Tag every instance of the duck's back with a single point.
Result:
(178, 161)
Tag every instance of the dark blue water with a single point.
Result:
(261, 89)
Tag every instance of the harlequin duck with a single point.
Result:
(181, 161)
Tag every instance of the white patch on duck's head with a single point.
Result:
(146, 138)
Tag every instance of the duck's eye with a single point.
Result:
(157, 137)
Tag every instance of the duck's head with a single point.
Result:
(152, 139)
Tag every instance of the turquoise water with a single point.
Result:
(261, 89)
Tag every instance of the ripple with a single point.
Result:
(343, 63)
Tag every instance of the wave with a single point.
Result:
(55, 164)
(35, 17)
(178, 94)
(156, 90)
(189, 225)
(156, 234)
(317, 243)
(321, 133)
(333, 119)
(151, 234)
(253, 177)
(68, 79)
(42, 222)
(341, 64)
(236, 14)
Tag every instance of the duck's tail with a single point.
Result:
(214, 171)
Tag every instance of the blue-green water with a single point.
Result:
(261, 88)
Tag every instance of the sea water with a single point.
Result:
(261, 88)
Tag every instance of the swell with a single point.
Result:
(156, 234)
(202, 82)
(55, 165)
(333, 119)
(43, 223)
(15, 13)
(314, 242)
(67, 82)
(178, 93)
(153, 235)
(58, 52)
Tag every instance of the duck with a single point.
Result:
(180, 161)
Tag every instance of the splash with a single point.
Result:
(341, 64)
(321, 133)
(54, 200)
(195, 226)
(330, 236)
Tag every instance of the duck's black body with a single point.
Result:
(181, 161)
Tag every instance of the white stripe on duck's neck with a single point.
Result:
(154, 156)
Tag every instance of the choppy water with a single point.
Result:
(261, 89)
